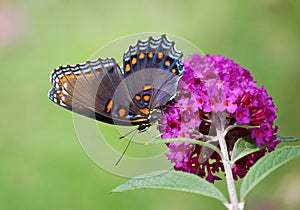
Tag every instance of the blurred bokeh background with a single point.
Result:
(42, 165)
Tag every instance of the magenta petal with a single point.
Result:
(217, 84)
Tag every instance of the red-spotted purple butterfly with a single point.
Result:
(133, 94)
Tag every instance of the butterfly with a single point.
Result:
(131, 94)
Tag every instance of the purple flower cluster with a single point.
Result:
(214, 84)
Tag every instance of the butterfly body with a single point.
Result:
(129, 95)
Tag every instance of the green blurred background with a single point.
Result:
(42, 165)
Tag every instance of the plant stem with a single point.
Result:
(220, 121)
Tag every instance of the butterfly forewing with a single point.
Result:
(88, 89)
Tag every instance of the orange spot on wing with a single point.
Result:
(122, 112)
(127, 67)
(78, 75)
(160, 55)
(133, 61)
(147, 87)
(109, 106)
(146, 98)
(137, 97)
(145, 111)
(141, 56)
(64, 79)
(70, 76)
(150, 55)
(167, 63)
(88, 74)
(174, 71)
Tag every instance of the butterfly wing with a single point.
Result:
(89, 89)
(101, 90)
(151, 70)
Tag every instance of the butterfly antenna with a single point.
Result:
(126, 146)
(121, 137)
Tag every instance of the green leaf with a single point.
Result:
(287, 138)
(242, 147)
(266, 165)
(193, 141)
(173, 180)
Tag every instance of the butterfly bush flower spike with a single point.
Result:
(215, 93)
